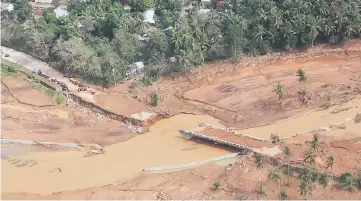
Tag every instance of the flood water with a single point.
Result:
(162, 146)
(323, 118)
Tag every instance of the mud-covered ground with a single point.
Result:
(240, 94)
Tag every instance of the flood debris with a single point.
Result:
(306, 97)
(338, 110)
(358, 118)
(338, 126)
(133, 128)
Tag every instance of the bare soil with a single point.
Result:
(240, 94)
(55, 123)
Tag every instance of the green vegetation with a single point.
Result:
(275, 138)
(324, 180)
(132, 86)
(154, 99)
(288, 154)
(8, 69)
(325, 86)
(306, 186)
(41, 88)
(330, 161)
(301, 75)
(280, 91)
(99, 38)
(60, 98)
(348, 183)
(15, 68)
(284, 195)
(260, 162)
(277, 176)
(12, 69)
(216, 185)
(242, 197)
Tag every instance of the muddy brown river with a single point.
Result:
(163, 145)
(320, 119)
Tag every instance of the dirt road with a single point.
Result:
(30, 63)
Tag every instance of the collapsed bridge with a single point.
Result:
(243, 143)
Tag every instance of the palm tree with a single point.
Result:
(301, 75)
(324, 181)
(261, 161)
(315, 142)
(280, 90)
(330, 162)
(288, 154)
(305, 188)
(310, 157)
(277, 176)
(306, 175)
(348, 183)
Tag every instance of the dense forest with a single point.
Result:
(99, 38)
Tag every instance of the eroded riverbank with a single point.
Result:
(162, 145)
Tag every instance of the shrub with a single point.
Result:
(132, 86)
(301, 75)
(284, 195)
(60, 98)
(11, 69)
(243, 197)
(154, 101)
(216, 185)
(275, 138)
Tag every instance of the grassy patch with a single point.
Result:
(154, 101)
(60, 98)
(242, 197)
(43, 89)
(132, 86)
(8, 69)
(216, 185)
(5, 65)
(325, 85)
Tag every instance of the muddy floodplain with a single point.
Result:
(243, 99)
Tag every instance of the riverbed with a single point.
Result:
(62, 171)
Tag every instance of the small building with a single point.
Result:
(125, 2)
(148, 16)
(60, 12)
(206, 2)
(7, 6)
(134, 68)
(44, 1)
(220, 4)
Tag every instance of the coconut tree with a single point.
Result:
(315, 142)
(330, 162)
(348, 183)
(288, 154)
(301, 75)
(324, 180)
(310, 157)
(280, 91)
(305, 188)
(261, 161)
(277, 176)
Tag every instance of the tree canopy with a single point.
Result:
(100, 35)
